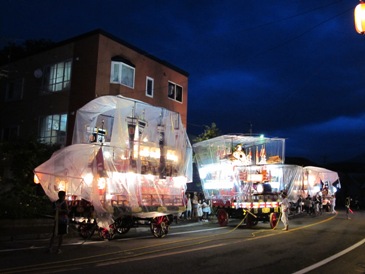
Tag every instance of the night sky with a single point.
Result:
(291, 69)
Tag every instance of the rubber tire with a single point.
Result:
(222, 217)
(274, 219)
(251, 221)
(160, 226)
(86, 231)
(122, 226)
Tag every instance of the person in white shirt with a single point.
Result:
(206, 210)
(200, 210)
(333, 204)
(188, 208)
(285, 211)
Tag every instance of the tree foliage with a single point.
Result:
(209, 132)
(13, 51)
(19, 196)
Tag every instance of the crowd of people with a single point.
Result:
(197, 208)
(315, 205)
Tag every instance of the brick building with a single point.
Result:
(41, 93)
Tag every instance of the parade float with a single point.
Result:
(129, 163)
(243, 176)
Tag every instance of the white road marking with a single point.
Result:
(329, 259)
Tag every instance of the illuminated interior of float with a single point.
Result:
(238, 165)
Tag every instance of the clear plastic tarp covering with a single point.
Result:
(127, 157)
(318, 179)
(248, 183)
(240, 150)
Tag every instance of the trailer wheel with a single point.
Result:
(123, 230)
(86, 230)
(273, 220)
(160, 226)
(222, 217)
(123, 225)
(251, 221)
(105, 234)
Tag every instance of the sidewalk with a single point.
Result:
(25, 229)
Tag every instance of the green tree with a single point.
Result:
(19, 196)
(209, 132)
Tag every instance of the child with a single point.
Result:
(206, 211)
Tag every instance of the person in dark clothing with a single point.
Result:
(308, 204)
(61, 221)
(347, 205)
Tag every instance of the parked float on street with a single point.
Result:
(128, 165)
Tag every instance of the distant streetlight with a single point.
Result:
(359, 16)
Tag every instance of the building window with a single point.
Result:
(10, 133)
(122, 73)
(57, 77)
(175, 92)
(149, 86)
(14, 90)
(53, 129)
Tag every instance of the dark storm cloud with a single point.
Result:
(290, 69)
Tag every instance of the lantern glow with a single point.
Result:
(36, 179)
(101, 183)
(359, 16)
(61, 185)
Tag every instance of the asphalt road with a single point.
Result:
(323, 244)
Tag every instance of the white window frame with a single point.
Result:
(57, 77)
(150, 91)
(118, 74)
(175, 92)
(53, 129)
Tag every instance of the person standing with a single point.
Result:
(60, 222)
(188, 208)
(333, 204)
(284, 206)
(347, 205)
(308, 204)
(200, 211)
(206, 210)
(195, 206)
